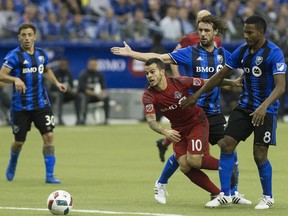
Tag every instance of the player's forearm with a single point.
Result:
(154, 125)
(7, 78)
(143, 56)
(275, 95)
(51, 77)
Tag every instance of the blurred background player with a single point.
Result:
(5, 104)
(25, 67)
(64, 75)
(91, 89)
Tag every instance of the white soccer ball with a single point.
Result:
(60, 202)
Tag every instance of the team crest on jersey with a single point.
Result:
(259, 60)
(149, 107)
(177, 95)
(280, 66)
(220, 59)
(196, 82)
(41, 59)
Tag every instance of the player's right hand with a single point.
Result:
(173, 135)
(122, 51)
(191, 100)
(20, 86)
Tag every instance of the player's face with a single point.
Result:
(154, 75)
(27, 38)
(252, 35)
(206, 34)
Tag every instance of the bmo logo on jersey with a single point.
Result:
(40, 69)
(200, 69)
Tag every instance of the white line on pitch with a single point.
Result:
(92, 211)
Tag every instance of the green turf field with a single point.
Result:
(111, 170)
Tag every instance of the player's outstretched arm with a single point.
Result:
(172, 135)
(127, 51)
(215, 80)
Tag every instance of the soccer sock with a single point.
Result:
(50, 161)
(235, 188)
(265, 174)
(209, 163)
(166, 142)
(202, 180)
(14, 156)
(226, 164)
(170, 167)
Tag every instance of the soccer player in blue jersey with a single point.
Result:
(202, 60)
(25, 67)
(264, 82)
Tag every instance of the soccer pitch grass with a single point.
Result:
(111, 170)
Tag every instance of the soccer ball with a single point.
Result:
(60, 202)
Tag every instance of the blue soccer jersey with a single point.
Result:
(259, 67)
(30, 69)
(202, 64)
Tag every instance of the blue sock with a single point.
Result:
(14, 156)
(265, 174)
(235, 188)
(50, 161)
(170, 167)
(226, 164)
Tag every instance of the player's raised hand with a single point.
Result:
(122, 51)
(20, 86)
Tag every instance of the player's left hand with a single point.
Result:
(239, 81)
(62, 87)
(258, 116)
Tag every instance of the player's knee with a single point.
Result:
(195, 161)
(227, 144)
(184, 167)
(48, 138)
(18, 144)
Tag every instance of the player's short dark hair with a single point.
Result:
(260, 22)
(26, 26)
(160, 64)
(216, 22)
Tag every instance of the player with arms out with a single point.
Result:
(264, 82)
(25, 67)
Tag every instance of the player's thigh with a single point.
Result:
(44, 120)
(197, 139)
(239, 125)
(266, 134)
(216, 127)
(21, 124)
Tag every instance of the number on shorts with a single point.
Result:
(267, 137)
(196, 145)
(50, 120)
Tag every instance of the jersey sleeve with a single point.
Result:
(191, 83)
(11, 60)
(278, 62)
(233, 61)
(181, 56)
(148, 103)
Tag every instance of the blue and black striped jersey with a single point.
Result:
(260, 68)
(30, 69)
(202, 64)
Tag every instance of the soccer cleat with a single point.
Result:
(239, 199)
(160, 193)
(10, 171)
(221, 199)
(162, 149)
(265, 202)
(52, 180)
